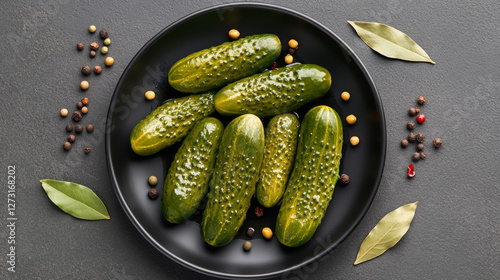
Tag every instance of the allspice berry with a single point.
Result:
(86, 70)
(410, 125)
(153, 193)
(79, 46)
(104, 34)
(420, 147)
(152, 180)
(84, 85)
(420, 137)
(412, 111)
(64, 112)
(97, 69)
(404, 143)
(71, 138)
(415, 156)
(411, 137)
(437, 142)
(85, 110)
(90, 128)
(92, 53)
(67, 146)
(421, 100)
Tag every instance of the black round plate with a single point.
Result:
(148, 71)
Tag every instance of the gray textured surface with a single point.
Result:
(455, 233)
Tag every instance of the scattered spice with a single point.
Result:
(411, 137)
(92, 28)
(421, 100)
(85, 101)
(410, 125)
(85, 110)
(97, 69)
(354, 140)
(420, 147)
(64, 112)
(86, 70)
(291, 50)
(344, 179)
(423, 155)
(293, 44)
(411, 171)
(437, 142)
(79, 46)
(90, 128)
(267, 233)
(274, 65)
(415, 156)
(94, 46)
(351, 119)
(345, 96)
(69, 128)
(421, 118)
(152, 180)
(107, 41)
(420, 137)
(153, 193)
(258, 211)
(77, 116)
(67, 146)
(86, 150)
(412, 111)
(247, 246)
(109, 61)
(92, 53)
(288, 59)
(78, 128)
(104, 34)
(71, 138)
(79, 105)
(404, 143)
(250, 232)
(150, 95)
(84, 85)
(234, 34)
(104, 50)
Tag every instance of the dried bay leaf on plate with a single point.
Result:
(390, 42)
(386, 233)
(75, 199)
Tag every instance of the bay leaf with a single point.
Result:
(389, 41)
(386, 233)
(75, 199)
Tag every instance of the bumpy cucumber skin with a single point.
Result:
(233, 183)
(274, 92)
(220, 65)
(187, 178)
(279, 154)
(313, 178)
(170, 122)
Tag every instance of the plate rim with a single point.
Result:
(153, 40)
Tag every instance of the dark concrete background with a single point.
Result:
(456, 230)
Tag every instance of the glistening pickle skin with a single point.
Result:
(274, 92)
(217, 66)
(279, 154)
(170, 122)
(315, 172)
(233, 182)
(187, 178)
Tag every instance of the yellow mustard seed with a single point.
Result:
(92, 28)
(288, 59)
(107, 41)
(351, 119)
(345, 96)
(293, 44)
(150, 95)
(234, 34)
(354, 140)
(267, 233)
(109, 61)
(152, 180)
(104, 50)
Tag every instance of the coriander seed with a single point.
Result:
(64, 112)
(152, 180)
(84, 85)
(85, 110)
(247, 245)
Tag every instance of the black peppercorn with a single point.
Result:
(412, 111)
(423, 155)
(404, 143)
(344, 179)
(86, 70)
(437, 142)
(92, 53)
(71, 138)
(421, 100)
(104, 34)
(79, 105)
(77, 116)
(67, 146)
(410, 125)
(69, 128)
(250, 232)
(291, 50)
(79, 46)
(153, 193)
(411, 137)
(420, 147)
(78, 128)
(415, 156)
(86, 150)
(420, 137)
(90, 128)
